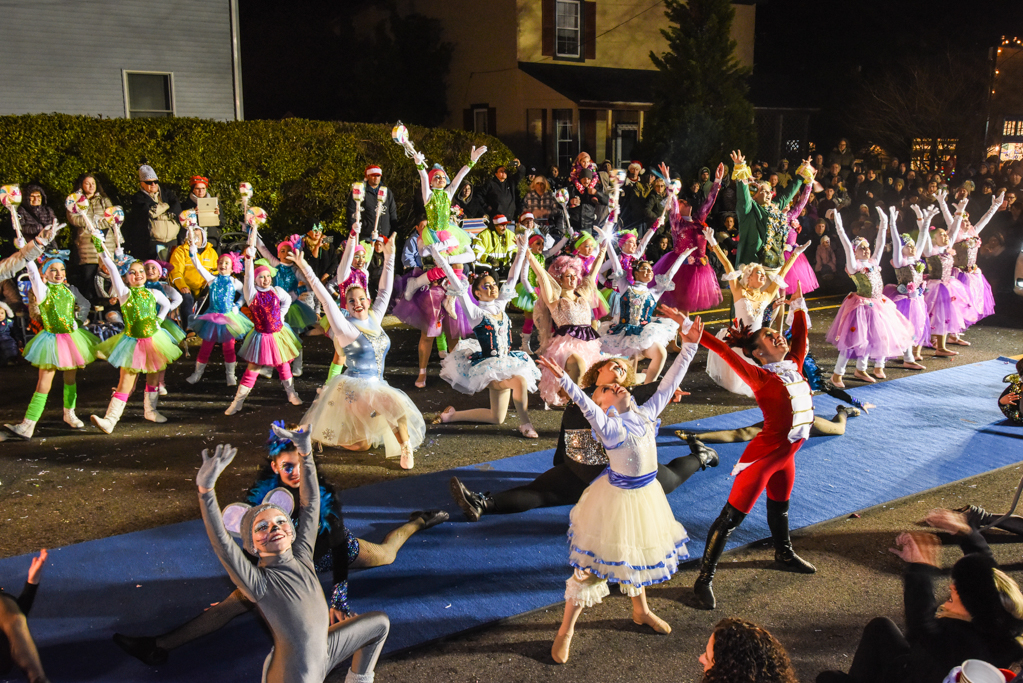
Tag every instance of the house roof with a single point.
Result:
(594, 84)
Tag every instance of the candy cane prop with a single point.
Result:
(359, 195)
(10, 196)
(245, 190)
(114, 217)
(381, 198)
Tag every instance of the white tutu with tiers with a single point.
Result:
(458, 370)
(658, 331)
(626, 536)
(724, 376)
(350, 410)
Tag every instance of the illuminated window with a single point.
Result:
(568, 28)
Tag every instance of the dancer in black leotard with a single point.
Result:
(579, 458)
(16, 644)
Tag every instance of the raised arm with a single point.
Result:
(344, 268)
(193, 253)
(801, 200)
(750, 374)
(249, 279)
(270, 257)
(672, 379)
(39, 288)
(996, 203)
(609, 430)
(558, 246)
(731, 275)
(515, 273)
(474, 156)
(424, 177)
(550, 290)
(474, 312)
(116, 283)
(386, 284)
(778, 279)
(850, 254)
(344, 332)
(704, 211)
(666, 281)
(898, 260)
(882, 236)
(591, 278)
(957, 222)
(309, 499)
(940, 196)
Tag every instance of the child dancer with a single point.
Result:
(358, 410)
(222, 323)
(800, 273)
(143, 347)
(351, 272)
(61, 346)
(868, 325)
(622, 529)
(526, 289)
(299, 315)
(271, 342)
(488, 362)
(585, 249)
(156, 274)
(8, 346)
(948, 301)
(909, 269)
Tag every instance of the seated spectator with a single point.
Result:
(556, 180)
(88, 259)
(983, 618)
(184, 277)
(784, 177)
(199, 189)
(843, 156)
(34, 214)
(16, 644)
(151, 227)
(739, 651)
(894, 192)
(655, 202)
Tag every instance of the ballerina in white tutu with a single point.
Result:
(358, 410)
(487, 362)
(622, 529)
(751, 299)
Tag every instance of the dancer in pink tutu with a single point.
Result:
(801, 272)
(909, 269)
(965, 260)
(948, 301)
(696, 283)
(271, 342)
(564, 319)
(867, 326)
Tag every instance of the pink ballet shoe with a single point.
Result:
(527, 431)
(836, 379)
(560, 648)
(864, 377)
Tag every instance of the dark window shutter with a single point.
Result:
(548, 29)
(467, 120)
(589, 30)
(492, 120)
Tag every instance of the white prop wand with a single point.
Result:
(381, 198)
(10, 196)
(359, 195)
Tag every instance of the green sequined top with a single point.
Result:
(438, 210)
(57, 310)
(139, 312)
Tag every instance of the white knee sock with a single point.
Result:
(907, 356)
(841, 363)
(861, 364)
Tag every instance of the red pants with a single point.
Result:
(775, 470)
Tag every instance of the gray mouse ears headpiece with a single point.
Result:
(238, 517)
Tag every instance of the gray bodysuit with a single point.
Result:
(288, 594)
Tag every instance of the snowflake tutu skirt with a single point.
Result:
(696, 285)
(350, 410)
(300, 315)
(270, 349)
(65, 351)
(221, 327)
(558, 352)
(914, 308)
(425, 311)
(723, 375)
(870, 328)
(626, 536)
(979, 288)
(801, 273)
(147, 355)
(658, 331)
(949, 306)
(459, 371)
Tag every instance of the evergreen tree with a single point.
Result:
(700, 109)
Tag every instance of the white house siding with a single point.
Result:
(67, 56)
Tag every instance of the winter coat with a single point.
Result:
(34, 218)
(83, 238)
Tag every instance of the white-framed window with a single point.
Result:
(148, 94)
(565, 141)
(568, 28)
(479, 120)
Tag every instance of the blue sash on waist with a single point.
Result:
(623, 481)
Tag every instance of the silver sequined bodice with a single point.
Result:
(868, 283)
(909, 274)
(581, 447)
(566, 312)
(365, 356)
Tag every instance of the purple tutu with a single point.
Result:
(979, 290)
(870, 328)
(801, 272)
(949, 306)
(425, 311)
(915, 309)
(696, 286)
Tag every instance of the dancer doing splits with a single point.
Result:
(284, 585)
(622, 529)
(488, 362)
(62, 346)
(358, 410)
(143, 347)
(784, 396)
(271, 342)
(16, 644)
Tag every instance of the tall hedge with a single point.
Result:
(301, 170)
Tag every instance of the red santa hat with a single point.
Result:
(373, 169)
(499, 219)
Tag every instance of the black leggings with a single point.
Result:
(563, 485)
(881, 654)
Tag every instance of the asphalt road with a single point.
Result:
(66, 487)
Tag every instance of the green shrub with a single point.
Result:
(301, 171)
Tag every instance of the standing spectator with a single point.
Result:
(605, 176)
(199, 189)
(892, 172)
(34, 213)
(633, 199)
(501, 191)
(183, 275)
(373, 176)
(88, 259)
(540, 201)
(556, 180)
(472, 202)
(151, 227)
(843, 156)
(826, 265)
(655, 202)
(784, 177)
(818, 163)
(873, 187)
(588, 205)
(319, 255)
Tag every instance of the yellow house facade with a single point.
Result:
(553, 77)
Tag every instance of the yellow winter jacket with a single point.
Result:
(183, 273)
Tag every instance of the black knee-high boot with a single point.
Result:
(778, 521)
(717, 537)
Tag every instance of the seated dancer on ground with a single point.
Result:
(868, 325)
(487, 362)
(283, 585)
(271, 342)
(949, 306)
(622, 529)
(61, 346)
(335, 549)
(637, 333)
(909, 269)
(16, 644)
(983, 618)
(222, 323)
(565, 301)
(143, 347)
(579, 458)
(358, 410)
(1009, 400)
(739, 651)
(299, 315)
(784, 396)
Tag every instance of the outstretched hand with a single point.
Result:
(301, 437)
(665, 172)
(738, 158)
(708, 232)
(999, 200)
(949, 520)
(719, 172)
(800, 248)
(673, 314)
(695, 332)
(36, 568)
(554, 368)
(917, 547)
(213, 466)
(477, 152)
(388, 247)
